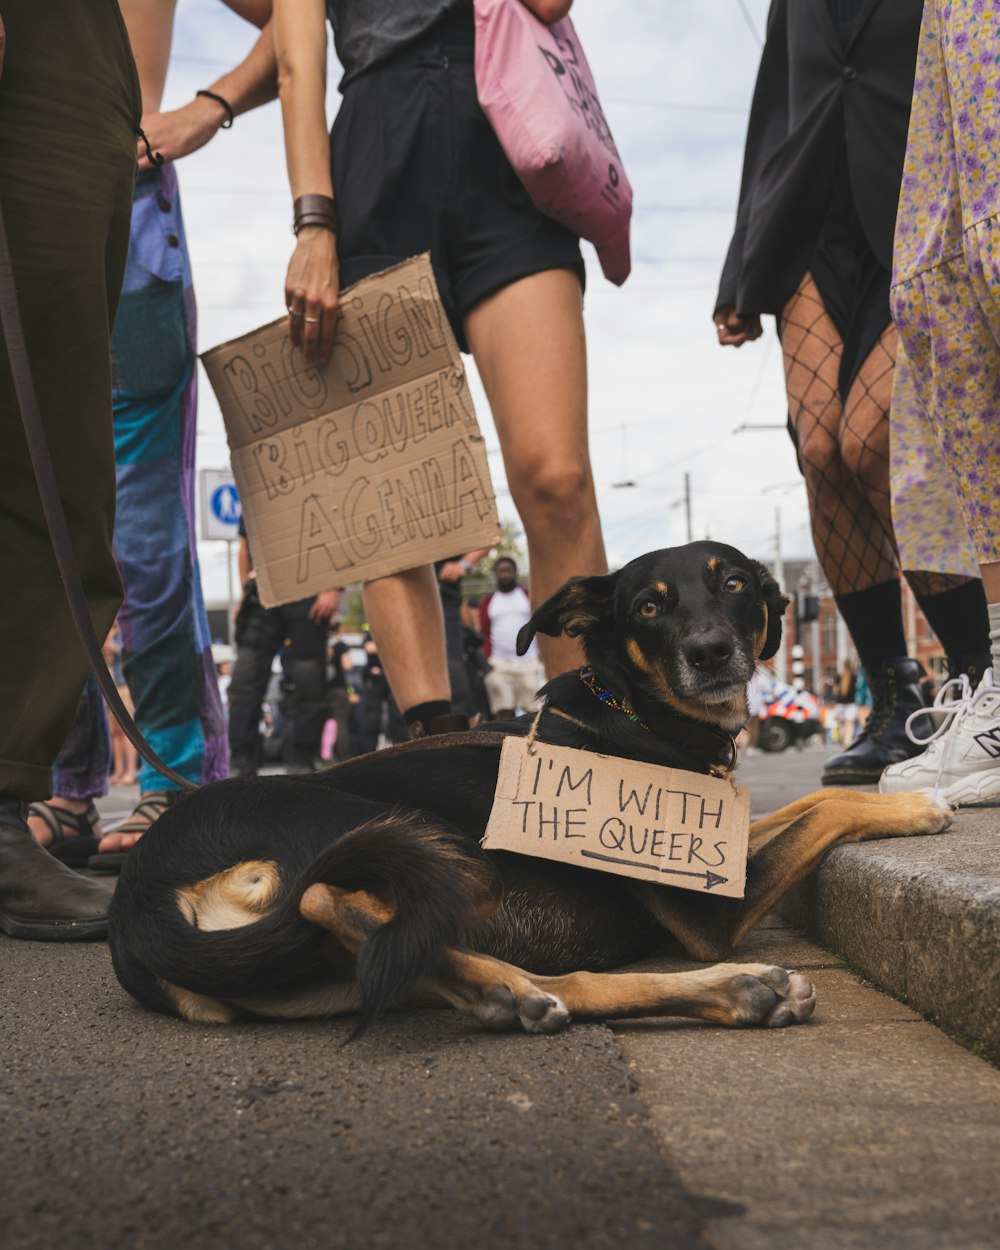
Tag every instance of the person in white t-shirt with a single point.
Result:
(513, 680)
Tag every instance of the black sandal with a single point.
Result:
(73, 841)
(150, 807)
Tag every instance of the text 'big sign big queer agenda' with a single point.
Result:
(367, 465)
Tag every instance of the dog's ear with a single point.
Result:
(573, 609)
(775, 603)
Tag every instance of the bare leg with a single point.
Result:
(404, 612)
(529, 346)
(990, 574)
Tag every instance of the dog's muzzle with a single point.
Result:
(714, 666)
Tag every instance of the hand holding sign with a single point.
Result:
(312, 293)
(368, 465)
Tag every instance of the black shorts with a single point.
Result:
(416, 168)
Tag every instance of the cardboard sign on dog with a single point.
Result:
(663, 825)
(368, 465)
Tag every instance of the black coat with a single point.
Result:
(813, 99)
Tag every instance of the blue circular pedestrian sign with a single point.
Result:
(225, 503)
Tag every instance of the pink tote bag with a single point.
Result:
(536, 88)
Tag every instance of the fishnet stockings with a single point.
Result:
(845, 450)
(844, 446)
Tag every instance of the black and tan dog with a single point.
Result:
(364, 885)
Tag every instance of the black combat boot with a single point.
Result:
(41, 898)
(896, 692)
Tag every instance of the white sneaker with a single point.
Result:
(962, 761)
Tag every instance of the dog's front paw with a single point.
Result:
(933, 815)
(760, 995)
(909, 813)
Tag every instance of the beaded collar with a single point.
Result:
(610, 700)
(714, 744)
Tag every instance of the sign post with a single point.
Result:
(221, 512)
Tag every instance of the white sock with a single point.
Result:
(994, 613)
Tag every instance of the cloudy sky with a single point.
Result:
(675, 79)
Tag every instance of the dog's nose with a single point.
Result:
(709, 652)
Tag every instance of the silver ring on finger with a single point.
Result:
(311, 321)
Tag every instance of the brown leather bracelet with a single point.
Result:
(315, 210)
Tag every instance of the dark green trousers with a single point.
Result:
(69, 110)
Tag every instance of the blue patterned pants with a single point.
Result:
(166, 646)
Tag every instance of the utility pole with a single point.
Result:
(687, 504)
(780, 663)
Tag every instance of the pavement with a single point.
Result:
(919, 917)
(866, 1127)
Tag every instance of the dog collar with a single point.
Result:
(717, 747)
(609, 700)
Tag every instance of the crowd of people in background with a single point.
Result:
(300, 709)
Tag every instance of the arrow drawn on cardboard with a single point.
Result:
(711, 878)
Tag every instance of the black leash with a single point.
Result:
(55, 518)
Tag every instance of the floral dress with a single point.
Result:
(946, 290)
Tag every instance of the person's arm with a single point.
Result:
(253, 82)
(484, 623)
(455, 570)
(768, 125)
(3, 44)
(324, 606)
(312, 284)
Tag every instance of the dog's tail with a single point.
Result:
(435, 883)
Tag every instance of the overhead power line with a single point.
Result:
(751, 23)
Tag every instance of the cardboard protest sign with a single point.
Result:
(368, 465)
(663, 825)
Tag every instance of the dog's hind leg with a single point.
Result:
(496, 994)
(312, 1002)
(738, 995)
(501, 996)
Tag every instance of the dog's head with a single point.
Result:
(681, 628)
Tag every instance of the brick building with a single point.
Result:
(825, 641)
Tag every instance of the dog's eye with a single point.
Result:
(649, 609)
(735, 584)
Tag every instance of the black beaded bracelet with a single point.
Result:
(211, 95)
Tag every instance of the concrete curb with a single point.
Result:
(920, 918)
